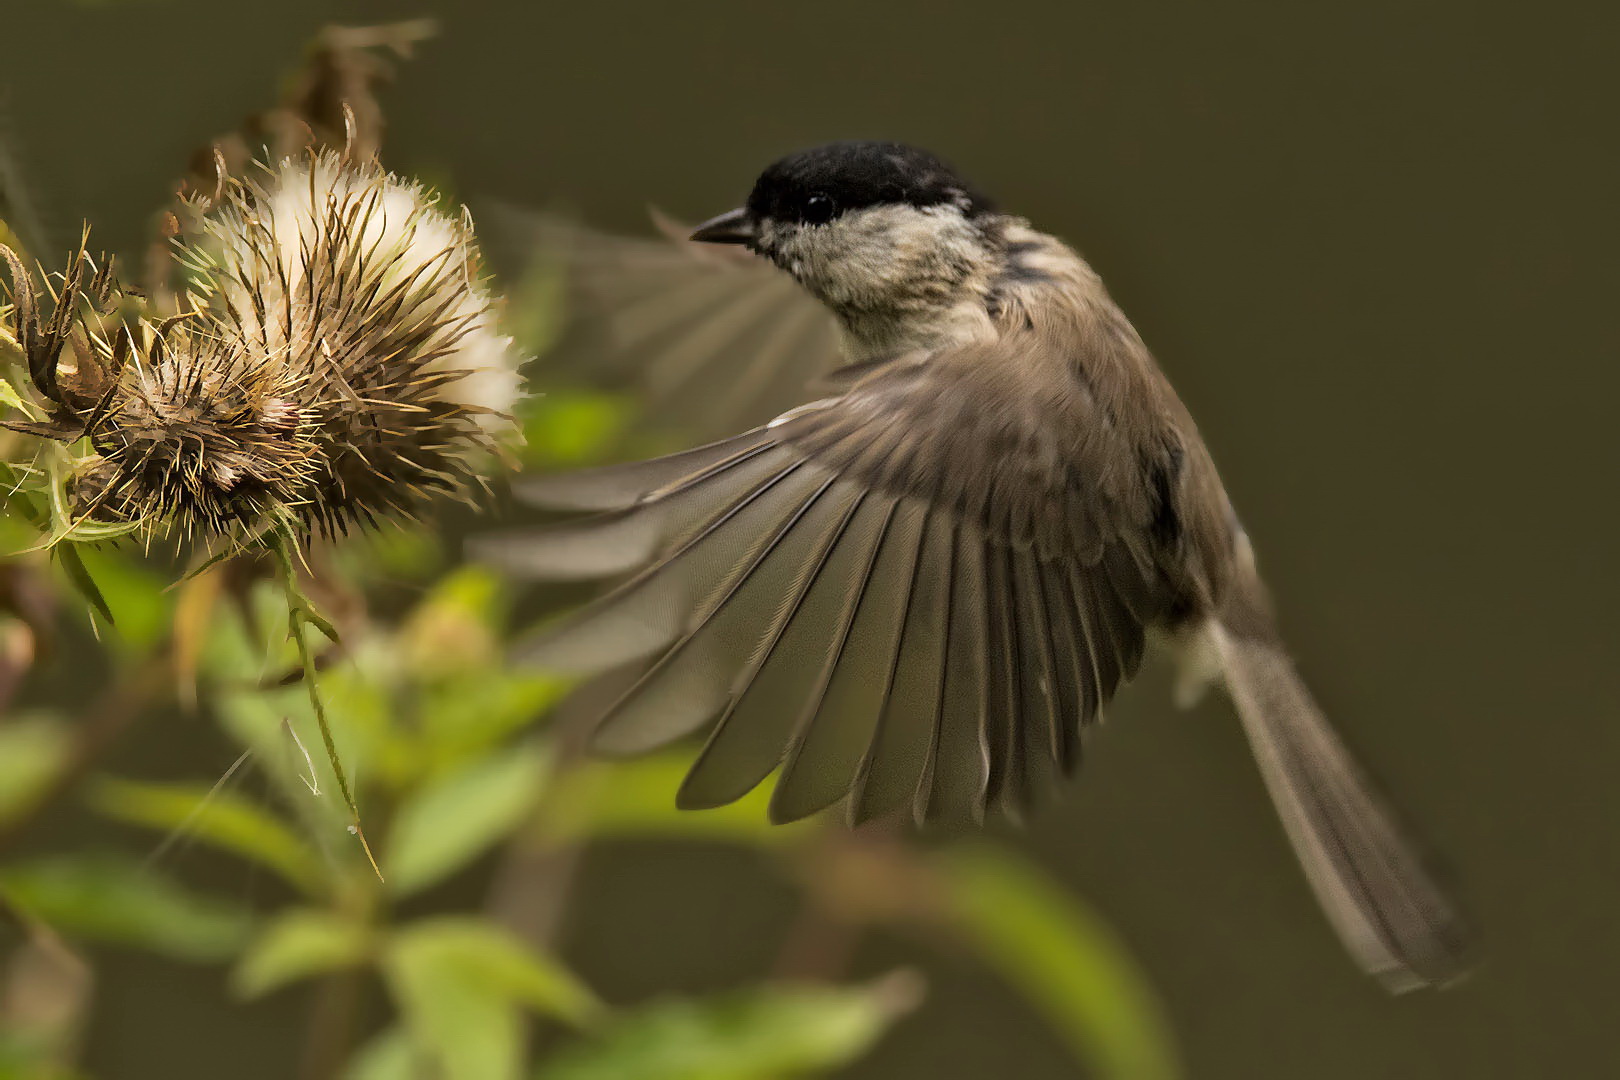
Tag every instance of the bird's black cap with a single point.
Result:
(817, 185)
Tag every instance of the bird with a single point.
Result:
(915, 594)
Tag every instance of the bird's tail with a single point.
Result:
(1370, 877)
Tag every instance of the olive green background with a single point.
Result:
(1376, 251)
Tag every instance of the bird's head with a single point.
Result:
(875, 230)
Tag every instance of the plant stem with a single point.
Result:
(299, 612)
(333, 1019)
(818, 946)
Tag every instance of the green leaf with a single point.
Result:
(31, 750)
(760, 1034)
(474, 710)
(1065, 960)
(636, 799)
(451, 820)
(20, 516)
(9, 397)
(73, 564)
(461, 985)
(296, 945)
(116, 899)
(498, 959)
(220, 818)
(138, 598)
(466, 1031)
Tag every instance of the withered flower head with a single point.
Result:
(342, 363)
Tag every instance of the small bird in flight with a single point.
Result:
(914, 595)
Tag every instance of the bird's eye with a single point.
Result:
(819, 208)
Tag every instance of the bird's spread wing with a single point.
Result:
(712, 339)
(914, 594)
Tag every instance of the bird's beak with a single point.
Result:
(731, 227)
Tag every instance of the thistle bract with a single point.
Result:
(342, 363)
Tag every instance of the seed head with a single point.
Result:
(342, 364)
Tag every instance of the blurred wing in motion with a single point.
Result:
(913, 595)
(711, 339)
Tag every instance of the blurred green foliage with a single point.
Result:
(456, 767)
(115, 898)
(1064, 959)
(768, 1031)
(452, 759)
(32, 749)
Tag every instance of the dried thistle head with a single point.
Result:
(342, 364)
(206, 435)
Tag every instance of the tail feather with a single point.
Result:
(1371, 879)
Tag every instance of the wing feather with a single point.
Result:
(686, 686)
(619, 487)
(915, 595)
(894, 761)
(829, 746)
(1003, 732)
(707, 341)
(751, 736)
(1047, 717)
